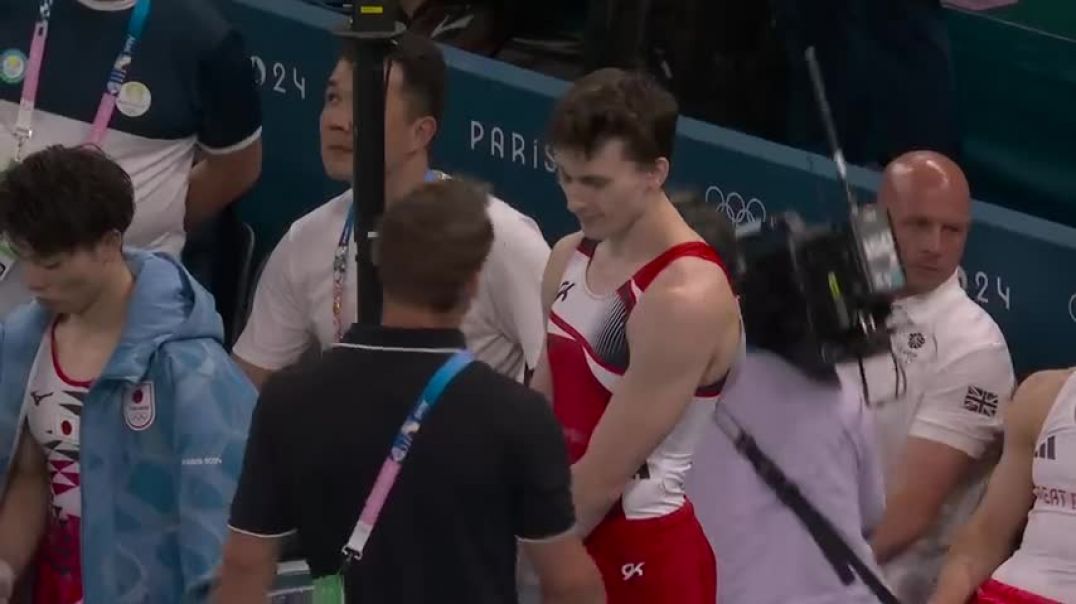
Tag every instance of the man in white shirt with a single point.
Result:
(939, 407)
(304, 297)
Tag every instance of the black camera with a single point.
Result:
(818, 295)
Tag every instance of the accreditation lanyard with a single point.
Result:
(330, 589)
(24, 121)
(340, 260)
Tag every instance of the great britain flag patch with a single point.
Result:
(983, 402)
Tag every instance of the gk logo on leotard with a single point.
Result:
(630, 570)
(565, 287)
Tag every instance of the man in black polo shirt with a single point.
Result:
(488, 463)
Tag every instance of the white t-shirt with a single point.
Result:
(957, 381)
(293, 303)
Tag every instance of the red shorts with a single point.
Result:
(654, 560)
(993, 592)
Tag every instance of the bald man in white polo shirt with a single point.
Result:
(939, 412)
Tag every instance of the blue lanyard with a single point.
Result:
(401, 446)
(340, 260)
(135, 26)
(349, 224)
(431, 395)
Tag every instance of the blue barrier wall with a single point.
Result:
(1021, 269)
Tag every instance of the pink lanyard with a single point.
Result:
(24, 122)
(401, 446)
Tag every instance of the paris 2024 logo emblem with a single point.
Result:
(737, 209)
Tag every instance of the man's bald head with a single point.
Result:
(924, 175)
(929, 203)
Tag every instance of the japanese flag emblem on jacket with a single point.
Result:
(139, 406)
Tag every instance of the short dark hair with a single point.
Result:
(63, 199)
(424, 72)
(710, 223)
(611, 104)
(432, 242)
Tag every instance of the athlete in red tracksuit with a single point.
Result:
(642, 329)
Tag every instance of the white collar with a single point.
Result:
(107, 5)
(923, 308)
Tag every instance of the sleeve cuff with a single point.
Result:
(239, 146)
(543, 536)
(972, 446)
(262, 535)
(255, 356)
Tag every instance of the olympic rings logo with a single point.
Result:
(1072, 308)
(737, 210)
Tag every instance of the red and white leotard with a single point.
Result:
(588, 354)
(1044, 567)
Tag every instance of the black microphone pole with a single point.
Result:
(371, 33)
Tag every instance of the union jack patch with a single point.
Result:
(981, 401)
